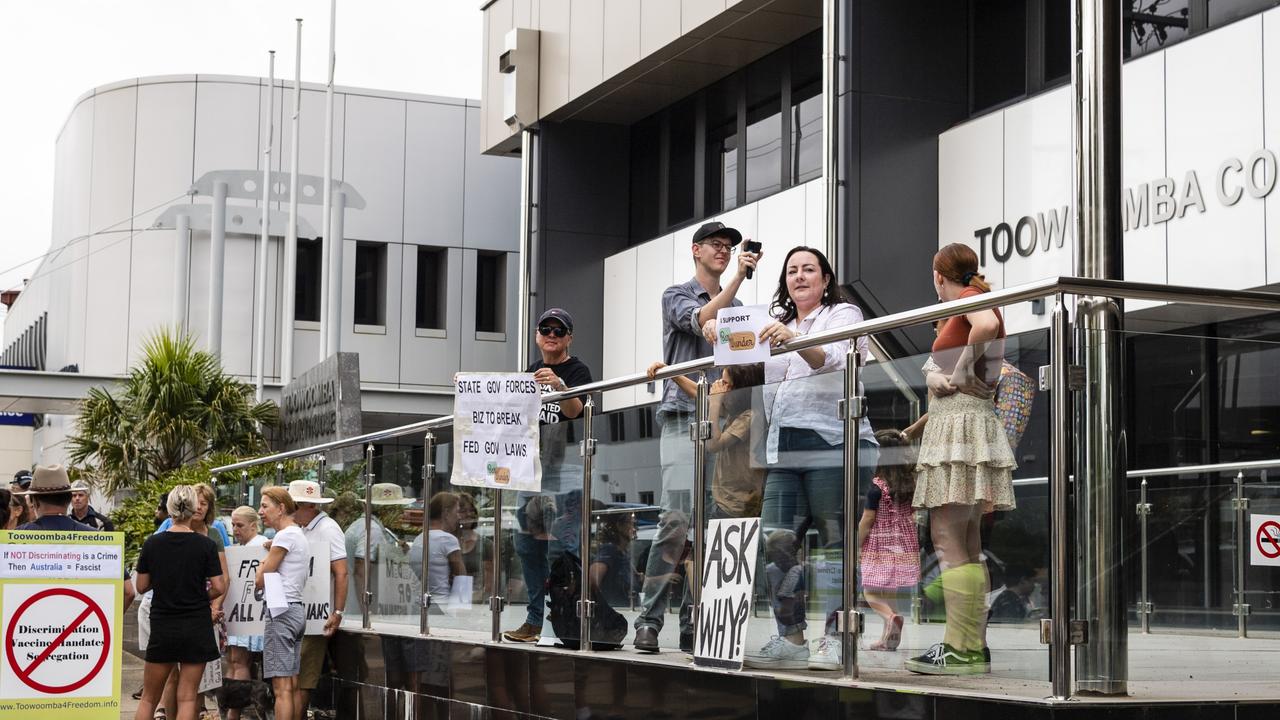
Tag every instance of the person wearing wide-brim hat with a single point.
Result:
(381, 496)
(50, 494)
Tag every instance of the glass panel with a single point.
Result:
(764, 126)
(999, 49)
(539, 537)
(721, 191)
(397, 519)
(980, 582)
(1154, 24)
(682, 133)
(630, 479)
(806, 108)
(1224, 11)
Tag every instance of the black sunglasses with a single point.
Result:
(545, 330)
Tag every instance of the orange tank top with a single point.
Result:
(954, 336)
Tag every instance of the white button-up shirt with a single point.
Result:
(811, 403)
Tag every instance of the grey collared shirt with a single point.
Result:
(682, 339)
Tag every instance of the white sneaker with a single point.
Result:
(778, 653)
(827, 654)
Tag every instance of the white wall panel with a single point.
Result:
(78, 138)
(652, 269)
(106, 338)
(1271, 115)
(492, 195)
(682, 254)
(238, 303)
(111, 202)
(619, 336)
(311, 145)
(374, 165)
(1214, 113)
(1037, 181)
(815, 214)
(586, 46)
(435, 150)
(150, 291)
(162, 159)
(227, 127)
(782, 226)
(1145, 248)
(621, 35)
(659, 24)
(970, 159)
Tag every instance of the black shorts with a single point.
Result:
(182, 638)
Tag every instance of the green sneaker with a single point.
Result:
(942, 659)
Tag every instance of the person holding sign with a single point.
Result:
(688, 316)
(804, 449)
(316, 524)
(556, 370)
(282, 576)
(182, 567)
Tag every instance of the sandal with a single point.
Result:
(894, 636)
(137, 694)
(159, 714)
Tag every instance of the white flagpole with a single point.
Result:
(291, 239)
(260, 333)
(326, 248)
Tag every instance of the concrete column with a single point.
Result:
(217, 262)
(1100, 456)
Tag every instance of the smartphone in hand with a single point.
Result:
(752, 246)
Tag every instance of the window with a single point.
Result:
(1152, 24)
(682, 127)
(371, 284)
(998, 64)
(618, 497)
(432, 283)
(1224, 11)
(721, 175)
(491, 291)
(806, 110)
(645, 149)
(763, 162)
(306, 281)
(617, 427)
(646, 497)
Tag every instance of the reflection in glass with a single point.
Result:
(806, 139)
(764, 156)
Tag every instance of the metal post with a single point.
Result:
(831, 127)
(246, 489)
(291, 237)
(588, 451)
(181, 271)
(428, 476)
(1102, 663)
(851, 409)
(496, 601)
(280, 474)
(334, 336)
(1144, 594)
(217, 263)
(1060, 503)
(700, 432)
(260, 317)
(366, 607)
(1243, 542)
(526, 262)
(326, 244)
(322, 472)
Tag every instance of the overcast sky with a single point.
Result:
(53, 51)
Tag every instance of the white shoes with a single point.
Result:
(779, 653)
(826, 654)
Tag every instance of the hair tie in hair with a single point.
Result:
(964, 280)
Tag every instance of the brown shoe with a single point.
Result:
(526, 633)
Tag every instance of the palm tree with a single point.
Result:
(175, 407)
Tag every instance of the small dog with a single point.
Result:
(242, 694)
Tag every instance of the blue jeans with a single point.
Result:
(532, 545)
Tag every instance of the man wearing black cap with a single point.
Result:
(688, 311)
(556, 370)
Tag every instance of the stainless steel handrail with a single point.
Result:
(1179, 470)
(1245, 299)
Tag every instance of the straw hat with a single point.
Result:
(47, 480)
(307, 491)
(388, 494)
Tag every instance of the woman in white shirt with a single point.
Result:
(288, 554)
(804, 449)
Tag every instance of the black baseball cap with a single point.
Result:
(22, 478)
(557, 314)
(717, 229)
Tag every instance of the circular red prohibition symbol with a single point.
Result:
(1268, 539)
(91, 608)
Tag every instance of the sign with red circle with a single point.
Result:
(91, 613)
(1267, 539)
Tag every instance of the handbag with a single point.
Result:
(1015, 393)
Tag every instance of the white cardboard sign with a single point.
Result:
(496, 438)
(724, 606)
(738, 335)
(245, 608)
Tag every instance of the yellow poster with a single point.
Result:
(60, 621)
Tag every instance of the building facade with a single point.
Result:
(428, 281)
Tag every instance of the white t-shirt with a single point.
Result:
(442, 544)
(293, 569)
(354, 539)
(256, 541)
(324, 527)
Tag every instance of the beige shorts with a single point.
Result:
(313, 648)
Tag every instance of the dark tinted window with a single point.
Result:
(721, 191)
(371, 283)
(644, 178)
(1057, 40)
(764, 126)
(1224, 11)
(682, 126)
(432, 281)
(491, 291)
(306, 288)
(1153, 24)
(999, 60)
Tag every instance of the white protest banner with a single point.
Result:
(61, 621)
(725, 602)
(738, 335)
(398, 587)
(495, 425)
(246, 608)
(317, 594)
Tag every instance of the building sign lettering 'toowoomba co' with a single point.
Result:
(1148, 203)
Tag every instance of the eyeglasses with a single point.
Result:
(718, 246)
(545, 330)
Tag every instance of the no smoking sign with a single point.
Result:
(1264, 535)
(57, 641)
